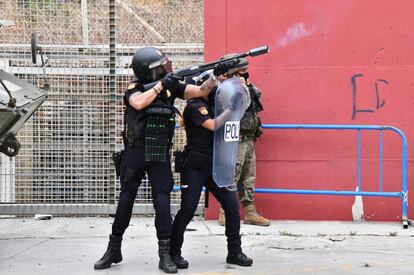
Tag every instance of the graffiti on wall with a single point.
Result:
(378, 95)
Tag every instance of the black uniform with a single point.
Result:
(141, 134)
(147, 138)
(197, 173)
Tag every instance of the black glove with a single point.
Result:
(170, 81)
(223, 67)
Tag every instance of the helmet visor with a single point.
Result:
(160, 68)
(164, 61)
(157, 73)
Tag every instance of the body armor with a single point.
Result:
(250, 123)
(152, 127)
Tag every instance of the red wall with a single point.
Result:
(317, 48)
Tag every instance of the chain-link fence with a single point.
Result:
(64, 165)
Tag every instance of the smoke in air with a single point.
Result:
(294, 33)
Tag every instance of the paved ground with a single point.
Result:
(72, 245)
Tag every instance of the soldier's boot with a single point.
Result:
(112, 254)
(166, 262)
(222, 217)
(239, 259)
(252, 217)
(179, 261)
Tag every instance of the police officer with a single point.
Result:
(150, 121)
(197, 172)
(250, 130)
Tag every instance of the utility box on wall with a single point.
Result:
(331, 62)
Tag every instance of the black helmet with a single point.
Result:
(150, 64)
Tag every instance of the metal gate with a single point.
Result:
(64, 165)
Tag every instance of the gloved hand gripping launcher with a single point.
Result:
(230, 62)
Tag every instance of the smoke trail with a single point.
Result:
(294, 33)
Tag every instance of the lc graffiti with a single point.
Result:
(380, 102)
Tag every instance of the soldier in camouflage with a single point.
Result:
(250, 130)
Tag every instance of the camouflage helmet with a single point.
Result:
(241, 65)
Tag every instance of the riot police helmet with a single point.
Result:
(150, 64)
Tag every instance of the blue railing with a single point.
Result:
(403, 194)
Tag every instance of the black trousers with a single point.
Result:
(161, 180)
(192, 181)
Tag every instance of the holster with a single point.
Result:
(179, 160)
(117, 158)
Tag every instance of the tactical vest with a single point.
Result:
(250, 122)
(152, 127)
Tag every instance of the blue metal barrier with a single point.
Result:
(403, 194)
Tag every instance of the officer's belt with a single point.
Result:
(202, 148)
(199, 155)
(199, 160)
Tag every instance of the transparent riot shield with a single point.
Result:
(230, 105)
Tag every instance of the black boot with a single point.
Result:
(239, 259)
(166, 262)
(179, 261)
(112, 254)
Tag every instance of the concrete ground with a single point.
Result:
(72, 245)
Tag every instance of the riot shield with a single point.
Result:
(230, 105)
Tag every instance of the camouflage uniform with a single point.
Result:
(250, 129)
(245, 176)
(246, 170)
